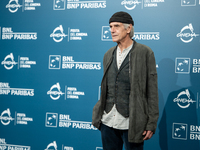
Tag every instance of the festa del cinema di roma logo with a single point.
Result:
(55, 91)
(130, 4)
(70, 92)
(6, 117)
(53, 146)
(20, 118)
(23, 62)
(187, 33)
(13, 6)
(73, 34)
(183, 99)
(58, 34)
(9, 62)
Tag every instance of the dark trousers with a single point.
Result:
(113, 139)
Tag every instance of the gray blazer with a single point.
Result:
(143, 98)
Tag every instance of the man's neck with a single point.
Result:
(125, 44)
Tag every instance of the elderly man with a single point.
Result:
(127, 111)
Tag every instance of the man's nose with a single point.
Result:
(112, 29)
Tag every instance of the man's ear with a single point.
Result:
(129, 28)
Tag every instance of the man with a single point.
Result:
(127, 111)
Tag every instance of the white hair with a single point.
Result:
(132, 30)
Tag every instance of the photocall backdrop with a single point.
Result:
(51, 54)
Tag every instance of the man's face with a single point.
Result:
(118, 32)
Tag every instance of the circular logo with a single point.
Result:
(58, 34)
(55, 92)
(13, 6)
(183, 99)
(187, 34)
(129, 5)
(9, 62)
(52, 146)
(5, 117)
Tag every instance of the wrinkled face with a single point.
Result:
(118, 32)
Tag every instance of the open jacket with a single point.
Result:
(143, 98)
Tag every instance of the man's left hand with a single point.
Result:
(148, 134)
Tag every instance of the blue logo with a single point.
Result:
(106, 34)
(59, 4)
(51, 119)
(179, 131)
(188, 2)
(182, 65)
(54, 61)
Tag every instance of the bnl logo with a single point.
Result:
(106, 34)
(59, 4)
(188, 2)
(51, 120)
(54, 61)
(179, 131)
(182, 65)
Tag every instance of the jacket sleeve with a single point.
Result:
(152, 94)
(96, 117)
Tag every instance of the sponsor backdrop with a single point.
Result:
(51, 54)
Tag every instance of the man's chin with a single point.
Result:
(114, 40)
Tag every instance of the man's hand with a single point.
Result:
(148, 134)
